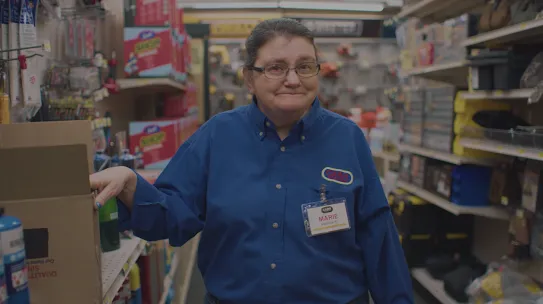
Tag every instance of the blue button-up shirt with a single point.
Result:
(236, 182)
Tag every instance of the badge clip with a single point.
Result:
(323, 193)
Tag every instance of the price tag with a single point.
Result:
(498, 93)
(521, 151)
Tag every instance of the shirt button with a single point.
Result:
(261, 134)
(272, 266)
(303, 138)
(283, 149)
(275, 225)
(278, 186)
(268, 124)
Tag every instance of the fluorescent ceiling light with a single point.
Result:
(337, 6)
(300, 5)
(230, 5)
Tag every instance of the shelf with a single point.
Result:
(489, 212)
(498, 94)
(117, 264)
(453, 73)
(391, 157)
(158, 84)
(500, 148)
(446, 157)
(518, 33)
(438, 10)
(170, 277)
(435, 287)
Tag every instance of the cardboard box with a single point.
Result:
(146, 12)
(148, 52)
(44, 181)
(159, 140)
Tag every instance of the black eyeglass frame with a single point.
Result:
(263, 71)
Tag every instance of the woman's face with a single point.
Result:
(290, 94)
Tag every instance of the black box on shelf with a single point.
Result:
(417, 170)
(414, 216)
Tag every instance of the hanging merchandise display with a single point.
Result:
(14, 256)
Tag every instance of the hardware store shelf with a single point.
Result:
(117, 264)
(499, 148)
(454, 73)
(523, 32)
(489, 212)
(435, 287)
(498, 94)
(392, 157)
(446, 157)
(170, 277)
(438, 10)
(159, 84)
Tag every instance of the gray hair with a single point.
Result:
(268, 30)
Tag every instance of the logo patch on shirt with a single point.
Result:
(339, 176)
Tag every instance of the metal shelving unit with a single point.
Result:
(117, 264)
(489, 212)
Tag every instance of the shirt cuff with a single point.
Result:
(148, 207)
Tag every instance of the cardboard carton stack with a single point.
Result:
(155, 41)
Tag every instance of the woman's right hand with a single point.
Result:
(114, 182)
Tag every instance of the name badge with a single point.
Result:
(325, 216)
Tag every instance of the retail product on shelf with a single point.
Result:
(14, 260)
(152, 48)
(159, 140)
(109, 226)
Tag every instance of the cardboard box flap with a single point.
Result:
(41, 160)
(43, 172)
(47, 134)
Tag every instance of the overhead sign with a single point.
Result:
(343, 27)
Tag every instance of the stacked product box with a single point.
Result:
(158, 140)
(439, 118)
(412, 122)
(155, 41)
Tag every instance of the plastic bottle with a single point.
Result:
(109, 226)
(14, 259)
(135, 285)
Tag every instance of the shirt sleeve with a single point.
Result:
(386, 268)
(173, 208)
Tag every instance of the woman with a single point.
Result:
(285, 193)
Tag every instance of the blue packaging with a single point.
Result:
(3, 288)
(14, 257)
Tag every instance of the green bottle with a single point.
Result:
(109, 226)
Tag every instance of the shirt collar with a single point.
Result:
(263, 123)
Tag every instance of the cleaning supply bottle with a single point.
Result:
(109, 226)
(135, 285)
(14, 259)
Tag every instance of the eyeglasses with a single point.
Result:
(278, 71)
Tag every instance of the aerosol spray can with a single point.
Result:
(14, 258)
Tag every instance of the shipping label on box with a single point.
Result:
(147, 52)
